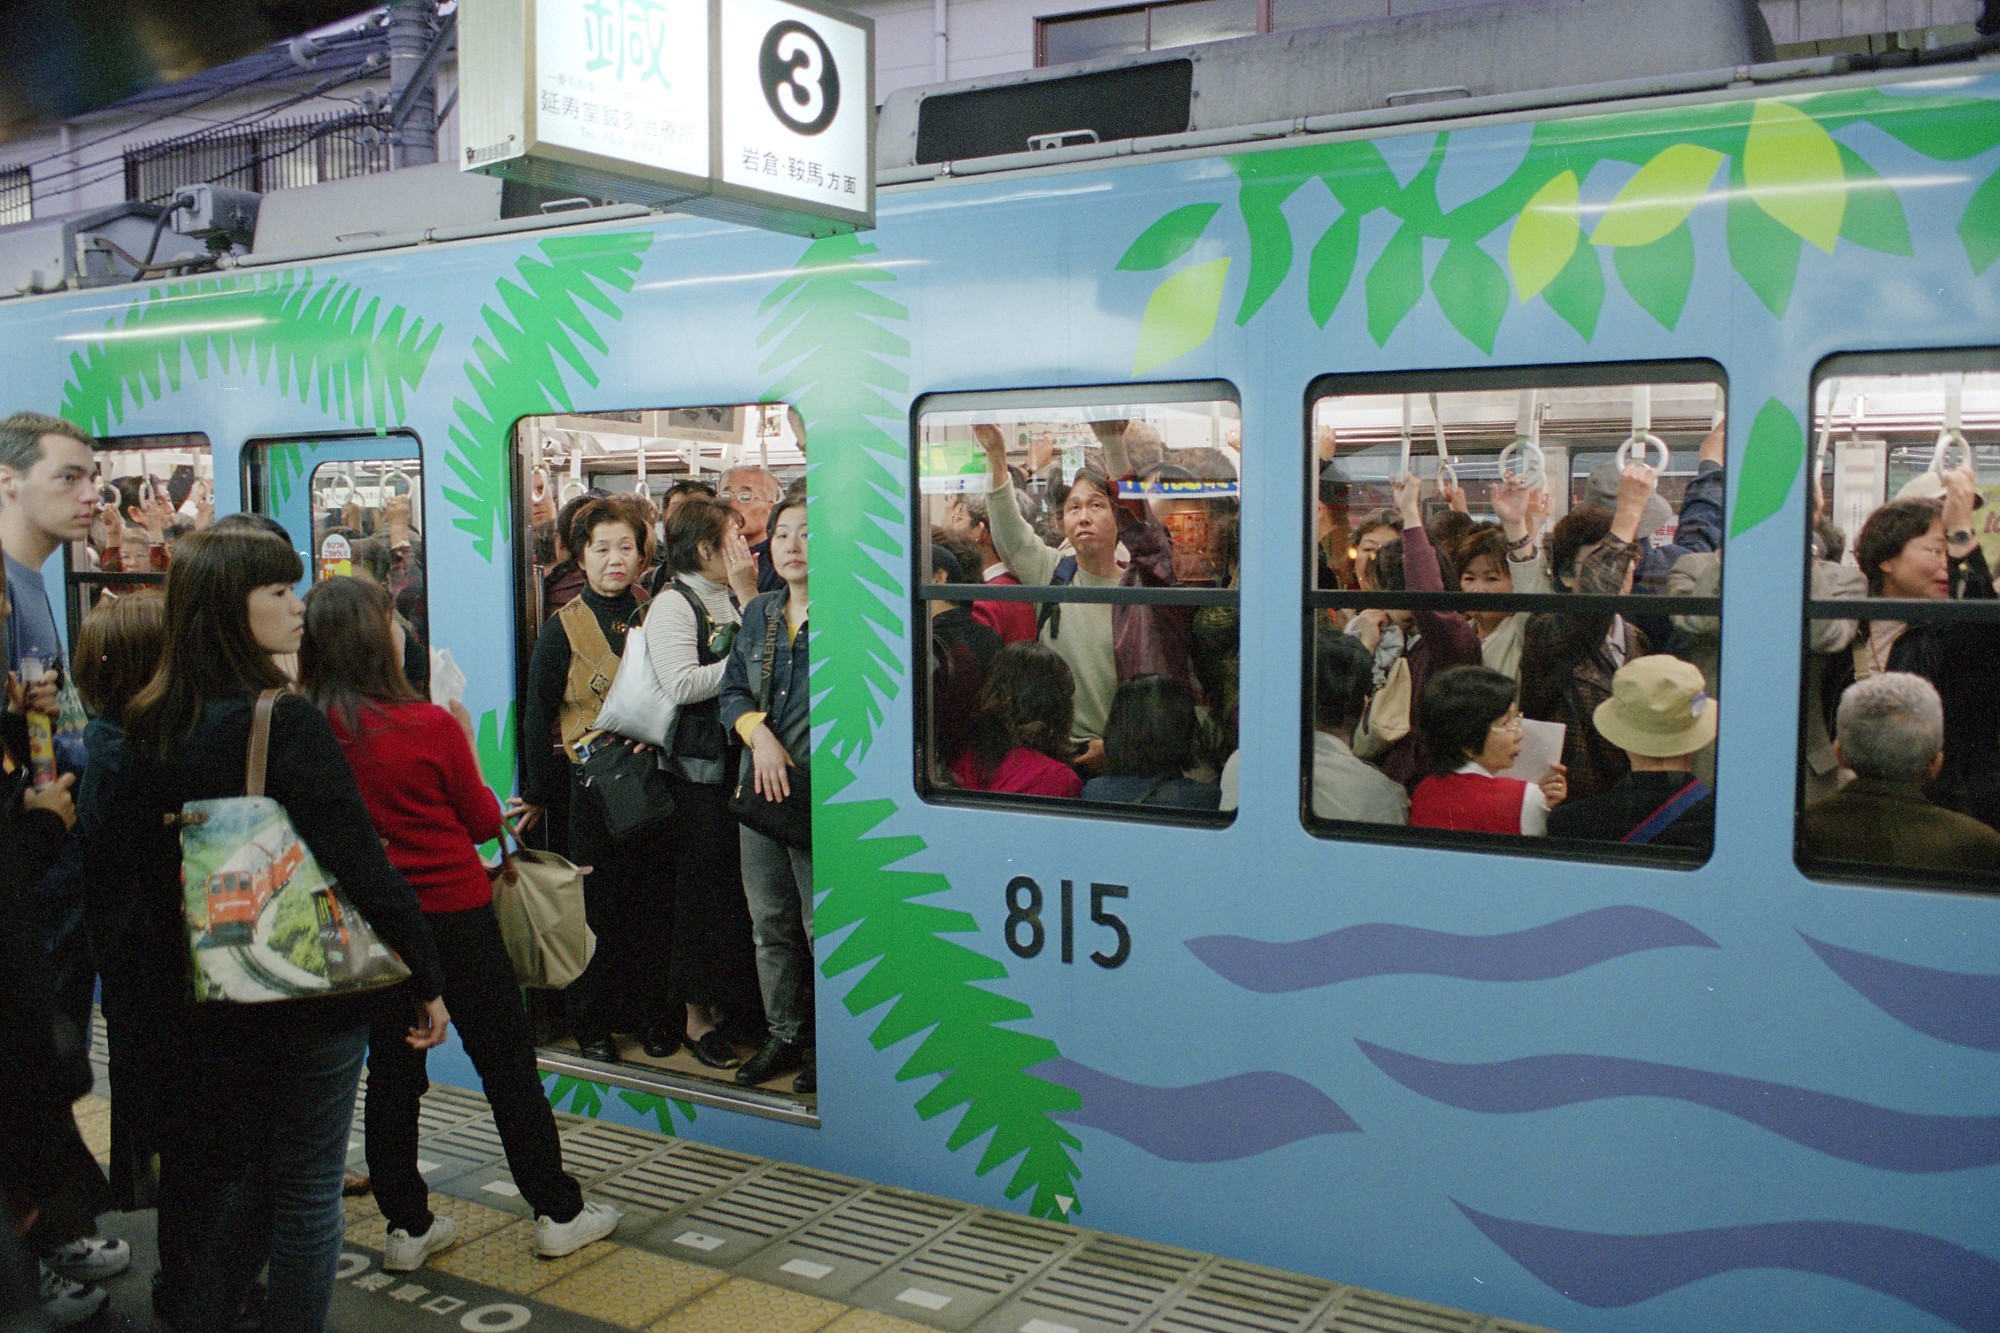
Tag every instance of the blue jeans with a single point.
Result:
(777, 881)
(289, 1107)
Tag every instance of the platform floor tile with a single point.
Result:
(631, 1288)
(506, 1259)
(474, 1220)
(874, 1321)
(743, 1306)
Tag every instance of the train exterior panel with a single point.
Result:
(1593, 1096)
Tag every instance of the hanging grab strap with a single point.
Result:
(1954, 427)
(1523, 462)
(1447, 472)
(1642, 432)
(1403, 461)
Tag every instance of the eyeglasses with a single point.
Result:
(746, 497)
(1509, 723)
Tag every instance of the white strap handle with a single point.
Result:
(1403, 461)
(538, 485)
(571, 488)
(1523, 462)
(1642, 433)
(341, 492)
(1954, 428)
(394, 475)
(1447, 473)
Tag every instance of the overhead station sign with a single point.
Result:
(758, 111)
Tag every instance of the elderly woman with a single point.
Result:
(1924, 550)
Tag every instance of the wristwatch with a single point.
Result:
(1960, 537)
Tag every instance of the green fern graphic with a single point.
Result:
(324, 343)
(581, 1096)
(831, 346)
(1790, 186)
(539, 325)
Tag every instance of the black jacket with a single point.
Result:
(1630, 802)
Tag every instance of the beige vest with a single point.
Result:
(592, 667)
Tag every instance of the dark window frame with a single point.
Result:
(1597, 374)
(75, 580)
(923, 591)
(1883, 362)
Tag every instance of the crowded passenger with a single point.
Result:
(752, 492)
(1661, 715)
(1215, 649)
(1409, 647)
(574, 662)
(1343, 786)
(767, 703)
(1023, 739)
(1149, 743)
(1503, 560)
(1926, 550)
(1471, 723)
(690, 629)
(967, 516)
(264, 1104)
(1891, 731)
(417, 772)
(1569, 658)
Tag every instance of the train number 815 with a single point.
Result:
(1026, 935)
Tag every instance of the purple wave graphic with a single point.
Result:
(1957, 1285)
(1962, 1008)
(1380, 949)
(1853, 1131)
(1236, 1117)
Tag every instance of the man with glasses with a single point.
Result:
(751, 492)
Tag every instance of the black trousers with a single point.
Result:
(485, 1004)
(713, 959)
(628, 901)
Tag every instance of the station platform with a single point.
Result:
(715, 1241)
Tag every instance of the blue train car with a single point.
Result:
(1584, 1088)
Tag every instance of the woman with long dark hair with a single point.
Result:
(260, 1133)
(1022, 737)
(416, 769)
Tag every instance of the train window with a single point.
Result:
(1513, 614)
(1899, 776)
(152, 489)
(651, 1013)
(1076, 579)
(354, 505)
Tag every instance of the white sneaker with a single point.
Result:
(92, 1259)
(555, 1239)
(404, 1253)
(66, 1304)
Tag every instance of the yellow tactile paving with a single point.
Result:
(474, 1220)
(96, 1131)
(358, 1208)
(742, 1306)
(506, 1259)
(873, 1321)
(630, 1288)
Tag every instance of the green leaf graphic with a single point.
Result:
(1979, 229)
(1169, 238)
(1545, 235)
(1875, 217)
(1181, 316)
(1471, 289)
(352, 360)
(537, 327)
(1949, 129)
(1395, 283)
(1792, 169)
(1771, 462)
(1331, 268)
(1765, 252)
(1577, 294)
(1659, 276)
(658, 1107)
(1658, 199)
(1262, 201)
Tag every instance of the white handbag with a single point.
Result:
(636, 706)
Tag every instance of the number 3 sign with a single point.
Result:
(796, 102)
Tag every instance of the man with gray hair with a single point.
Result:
(965, 516)
(751, 491)
(1890, 732)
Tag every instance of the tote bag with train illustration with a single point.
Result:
(263, 923)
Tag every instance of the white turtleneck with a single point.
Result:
(670, 640)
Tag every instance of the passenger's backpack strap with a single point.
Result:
(1048, 615)
(1661, 819)
(586, 640)
(257, 757)
(704, 628)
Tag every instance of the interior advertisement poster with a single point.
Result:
(797, 103)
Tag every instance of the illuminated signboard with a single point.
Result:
(759, 111)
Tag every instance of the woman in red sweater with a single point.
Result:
(1021, 741)
(432, 807)
(1471, 726)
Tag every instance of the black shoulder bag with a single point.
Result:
(788, 821)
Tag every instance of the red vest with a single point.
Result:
(1471, 802)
